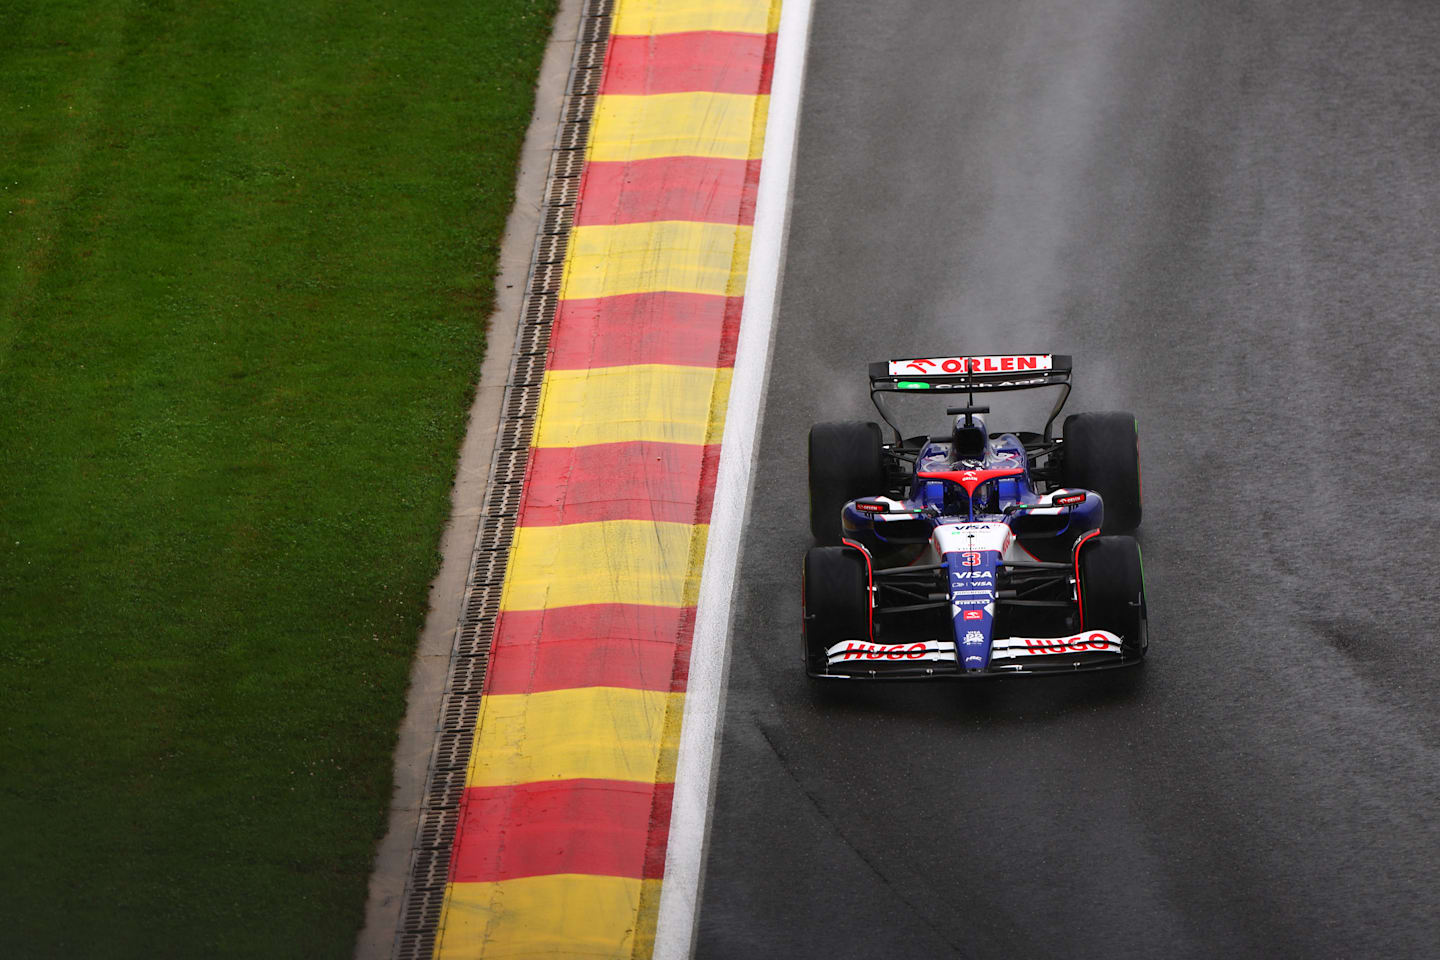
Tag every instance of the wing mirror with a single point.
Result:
(1060, 498)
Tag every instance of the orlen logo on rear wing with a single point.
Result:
(952, 366)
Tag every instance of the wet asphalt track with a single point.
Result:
(1230, 214)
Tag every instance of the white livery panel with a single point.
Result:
(855, 651)
(953, 366)
(1080, 644)
(952, 537)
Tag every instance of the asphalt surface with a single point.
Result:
(1230, 214)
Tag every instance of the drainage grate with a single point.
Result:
(558, 220)
(437, 829)
(551, 249)
(523, 399)
(533, 339)
(527, 371)
(545, 278)
(460, 708)
(504, 500)
(563, 192)
(510, 466)
(578, 109)
(567, 165)
(515, 435)
(587, 82)
(540, 309)
(595, 29)
(459, 711)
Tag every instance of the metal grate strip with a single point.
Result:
(460, 708)
(558, 220)
(567, 165)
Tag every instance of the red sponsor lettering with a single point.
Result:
(1076, 644)
(954, 365)
(874, 651)
(974, 615)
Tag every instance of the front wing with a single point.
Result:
(1011, 656)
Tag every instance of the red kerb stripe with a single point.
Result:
(600, 827)
(710, 190)
(600, 645)
(710, 60)
(686, 329)
(639, 480)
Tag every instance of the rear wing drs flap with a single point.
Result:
(980, 374)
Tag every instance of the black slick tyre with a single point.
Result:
(846, 461)
(1112, 591)
(1102, 453)
(835, 590)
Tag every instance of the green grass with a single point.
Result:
(246, 254)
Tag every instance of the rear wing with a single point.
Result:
(963, 374)
(960, 374)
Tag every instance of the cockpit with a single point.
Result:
(970, 447)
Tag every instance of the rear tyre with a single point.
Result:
(1112, 591)
(1102, 453)
(835, 590)
(846, 461)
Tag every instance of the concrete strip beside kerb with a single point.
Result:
(432, 660)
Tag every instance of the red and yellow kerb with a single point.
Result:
(560, 849)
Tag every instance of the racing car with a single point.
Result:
(973, 553)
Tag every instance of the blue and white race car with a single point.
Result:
(973, 553)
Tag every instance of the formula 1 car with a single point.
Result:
(971, 553)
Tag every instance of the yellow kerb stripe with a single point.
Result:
(660, 255)
(649, 562)
(560, 915)
(725, 125)
(604, 733)
(655, 402)
(680, 16)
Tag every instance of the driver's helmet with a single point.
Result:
(968, 442)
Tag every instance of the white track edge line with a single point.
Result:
(705, 691)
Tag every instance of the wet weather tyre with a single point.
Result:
(847, 460)
(835, 587)
(1112, 591)
(1102, 453)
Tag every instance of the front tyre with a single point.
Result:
(1112, 591)
(1102, 453)
(835, 591)
(847, 461)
